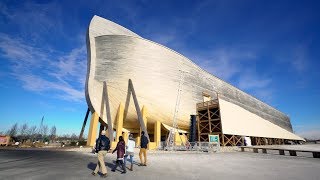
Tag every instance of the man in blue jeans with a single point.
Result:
(130, 151)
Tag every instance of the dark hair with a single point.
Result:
(120, 138)
(142, 132)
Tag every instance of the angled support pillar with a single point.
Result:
(93, 129)
(140, 117)
(105, 98)
(84, 124)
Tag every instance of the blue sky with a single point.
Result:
(269, 49)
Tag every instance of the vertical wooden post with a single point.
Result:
(242, 137)
(157, 133)
(223, 139)
(234, 141)
(209, 118)
(93, 129)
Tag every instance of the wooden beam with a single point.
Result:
(135, 100)
(209, 118)
(108, 112)
(223, 139)
(126, 107)
(84, 124)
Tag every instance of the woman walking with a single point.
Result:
(121, 149)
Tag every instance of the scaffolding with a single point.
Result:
(209, 123)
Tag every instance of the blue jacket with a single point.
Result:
(144, 142)
(102, 143)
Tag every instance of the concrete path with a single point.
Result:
(35, 164)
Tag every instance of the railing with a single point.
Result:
(207, 103)
(193, 146)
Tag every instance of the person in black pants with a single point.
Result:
(121, 149)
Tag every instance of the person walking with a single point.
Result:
(121, 149)
(143, 149)
(130, 151)
(102, 147)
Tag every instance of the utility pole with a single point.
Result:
(174, 129)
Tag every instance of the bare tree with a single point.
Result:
(32, 132)
(24, 132)
(24, 129)
(45, 130)
(74, 137)
(13, 130)
(53, 133)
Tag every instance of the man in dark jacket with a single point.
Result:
(102, 147)
(143, 149)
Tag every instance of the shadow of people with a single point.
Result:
(92, 166)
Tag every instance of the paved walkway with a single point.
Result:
(34, 164)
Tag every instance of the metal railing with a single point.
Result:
(192, 146)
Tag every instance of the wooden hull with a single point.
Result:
(116, 55)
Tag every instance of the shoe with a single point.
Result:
(141, 164)
(123, 172)
(94, 174)
(131, 168)
(113, 170)
(104, 175)
(145, 165)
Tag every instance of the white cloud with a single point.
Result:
(32, 20)
(238, 68)
(253, 81)
(71, 67)
(222, 64)
(41, 71)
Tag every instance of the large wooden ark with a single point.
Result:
(116, 54)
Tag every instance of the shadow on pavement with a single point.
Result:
(92, 165)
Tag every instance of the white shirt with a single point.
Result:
(131, 145)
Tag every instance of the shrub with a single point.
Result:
(73, 143)
(82, 143)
